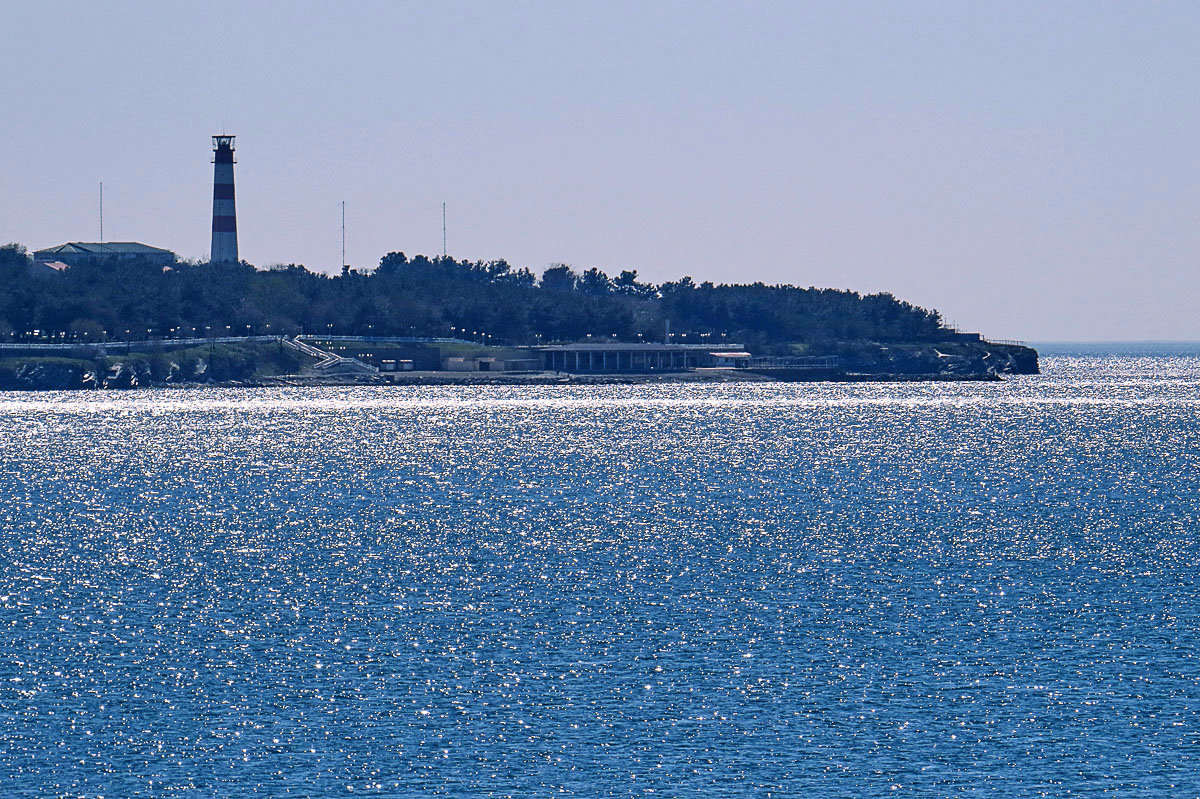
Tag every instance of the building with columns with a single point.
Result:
(612, 358)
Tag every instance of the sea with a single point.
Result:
(763, 590)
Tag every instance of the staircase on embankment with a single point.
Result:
(327, 362)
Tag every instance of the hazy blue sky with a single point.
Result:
(1029, 169)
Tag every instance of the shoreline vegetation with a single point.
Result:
(130, 323)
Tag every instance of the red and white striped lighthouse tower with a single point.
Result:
(224, 226)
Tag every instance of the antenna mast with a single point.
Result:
(443, 230)
(343, 234)
(102, 212)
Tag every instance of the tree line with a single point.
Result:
(489, 301)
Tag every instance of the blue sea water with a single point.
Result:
(972, 589)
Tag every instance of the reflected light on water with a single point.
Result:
(743, 589)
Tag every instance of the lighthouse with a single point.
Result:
(224, 220)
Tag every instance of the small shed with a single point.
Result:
(47, 268)
(458, 363)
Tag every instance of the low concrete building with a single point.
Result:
(611, 358)
(487, 363)
(458, 363)
(522, 365)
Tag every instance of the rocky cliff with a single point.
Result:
(48, 374)
(953, 359)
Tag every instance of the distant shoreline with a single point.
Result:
(1099, 349)
(561, 379)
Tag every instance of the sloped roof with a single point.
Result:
(105, 248)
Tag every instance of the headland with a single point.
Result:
(127, 316)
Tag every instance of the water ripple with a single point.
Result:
(864, 590)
